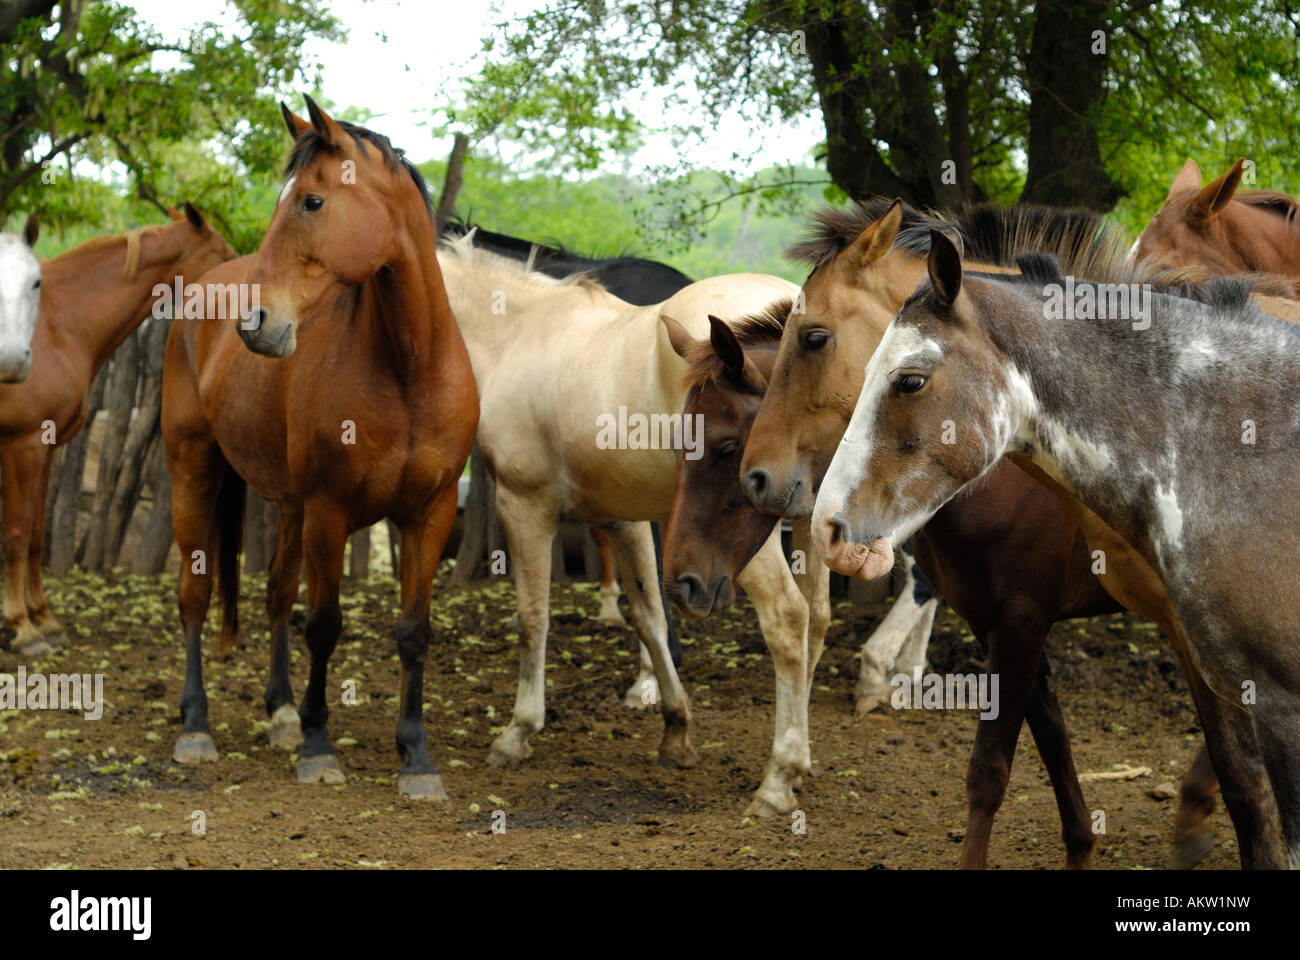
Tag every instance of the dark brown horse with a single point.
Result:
(1010, 557)
(92, 298)
(361, 406)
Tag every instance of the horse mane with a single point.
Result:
(1085, 246)
(311, 145)
(462, 248)
(766, 326)
(132, 238)
(1274, 201)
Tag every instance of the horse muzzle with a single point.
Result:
(850, 556)
(15, 365)
(263, 335)
(690, 595)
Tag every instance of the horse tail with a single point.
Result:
(229, 522)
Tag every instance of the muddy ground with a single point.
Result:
(890, 794)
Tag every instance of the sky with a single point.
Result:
(404, 56)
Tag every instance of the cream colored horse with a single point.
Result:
(556, 361)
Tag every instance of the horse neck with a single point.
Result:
(100, 306)
(1125, 418)
(1270, 243)
(406, 304)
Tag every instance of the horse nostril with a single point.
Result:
(255, 320)
(690, 587)
(839, 529)
(757, 483)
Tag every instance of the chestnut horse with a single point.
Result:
(20, 300)
(1202, 483)
(361, 406)
(93, 297)
(1222, 230)
(1009, 557)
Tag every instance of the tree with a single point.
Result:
(937, 101)
(190, 118)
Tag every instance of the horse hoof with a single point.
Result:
(195, 748)
(286, 728)
(1188, 853)
(510, 749)
(612, 621)
(421, 786)
(677, 758)
(322, 768)
(56, 637)
(498, 759)
(633, 701)
(758, 807)
(33, 649)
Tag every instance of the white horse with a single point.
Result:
(20, 301)
(578, 392)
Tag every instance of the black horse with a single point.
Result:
(639, 282)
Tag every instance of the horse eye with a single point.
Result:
(37, 284)
(728, 448)
(911, 383)
(816, 339)
(311, 203)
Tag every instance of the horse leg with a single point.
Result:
(529, 527)
(21, 468)
(38, 609)
(1053, 741)
(908, 621)
(610, 615)
(635, 555)
(783, 619)
(1244, 771)
(1193, 838)
(281, 592)
(1277, 725)
(1015, 647)
(324, 537)
(422, 543)
(197, 470)
(815, 585)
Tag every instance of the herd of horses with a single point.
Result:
(911, 396)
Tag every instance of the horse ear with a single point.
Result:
(727, 347)
(296, 124)
(875, 241)
(1211, 200)
(31, 229)
(174, 213)
(1188, 178)
(677, 336)
(320, 121)
(193, 216)
(944, 267)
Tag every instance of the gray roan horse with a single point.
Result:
(1176, 426)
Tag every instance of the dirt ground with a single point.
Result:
(890, 792)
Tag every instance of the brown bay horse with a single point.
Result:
(1009, 556)
(93, 297)
(1194, 496)
(1222, 230)
(351, 399)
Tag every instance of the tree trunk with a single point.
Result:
(359, 562)
(119, 400)
(156, 543)
(455, 177)
(1066, 88)
(481, 532)
(257, 554)
(62, 528)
